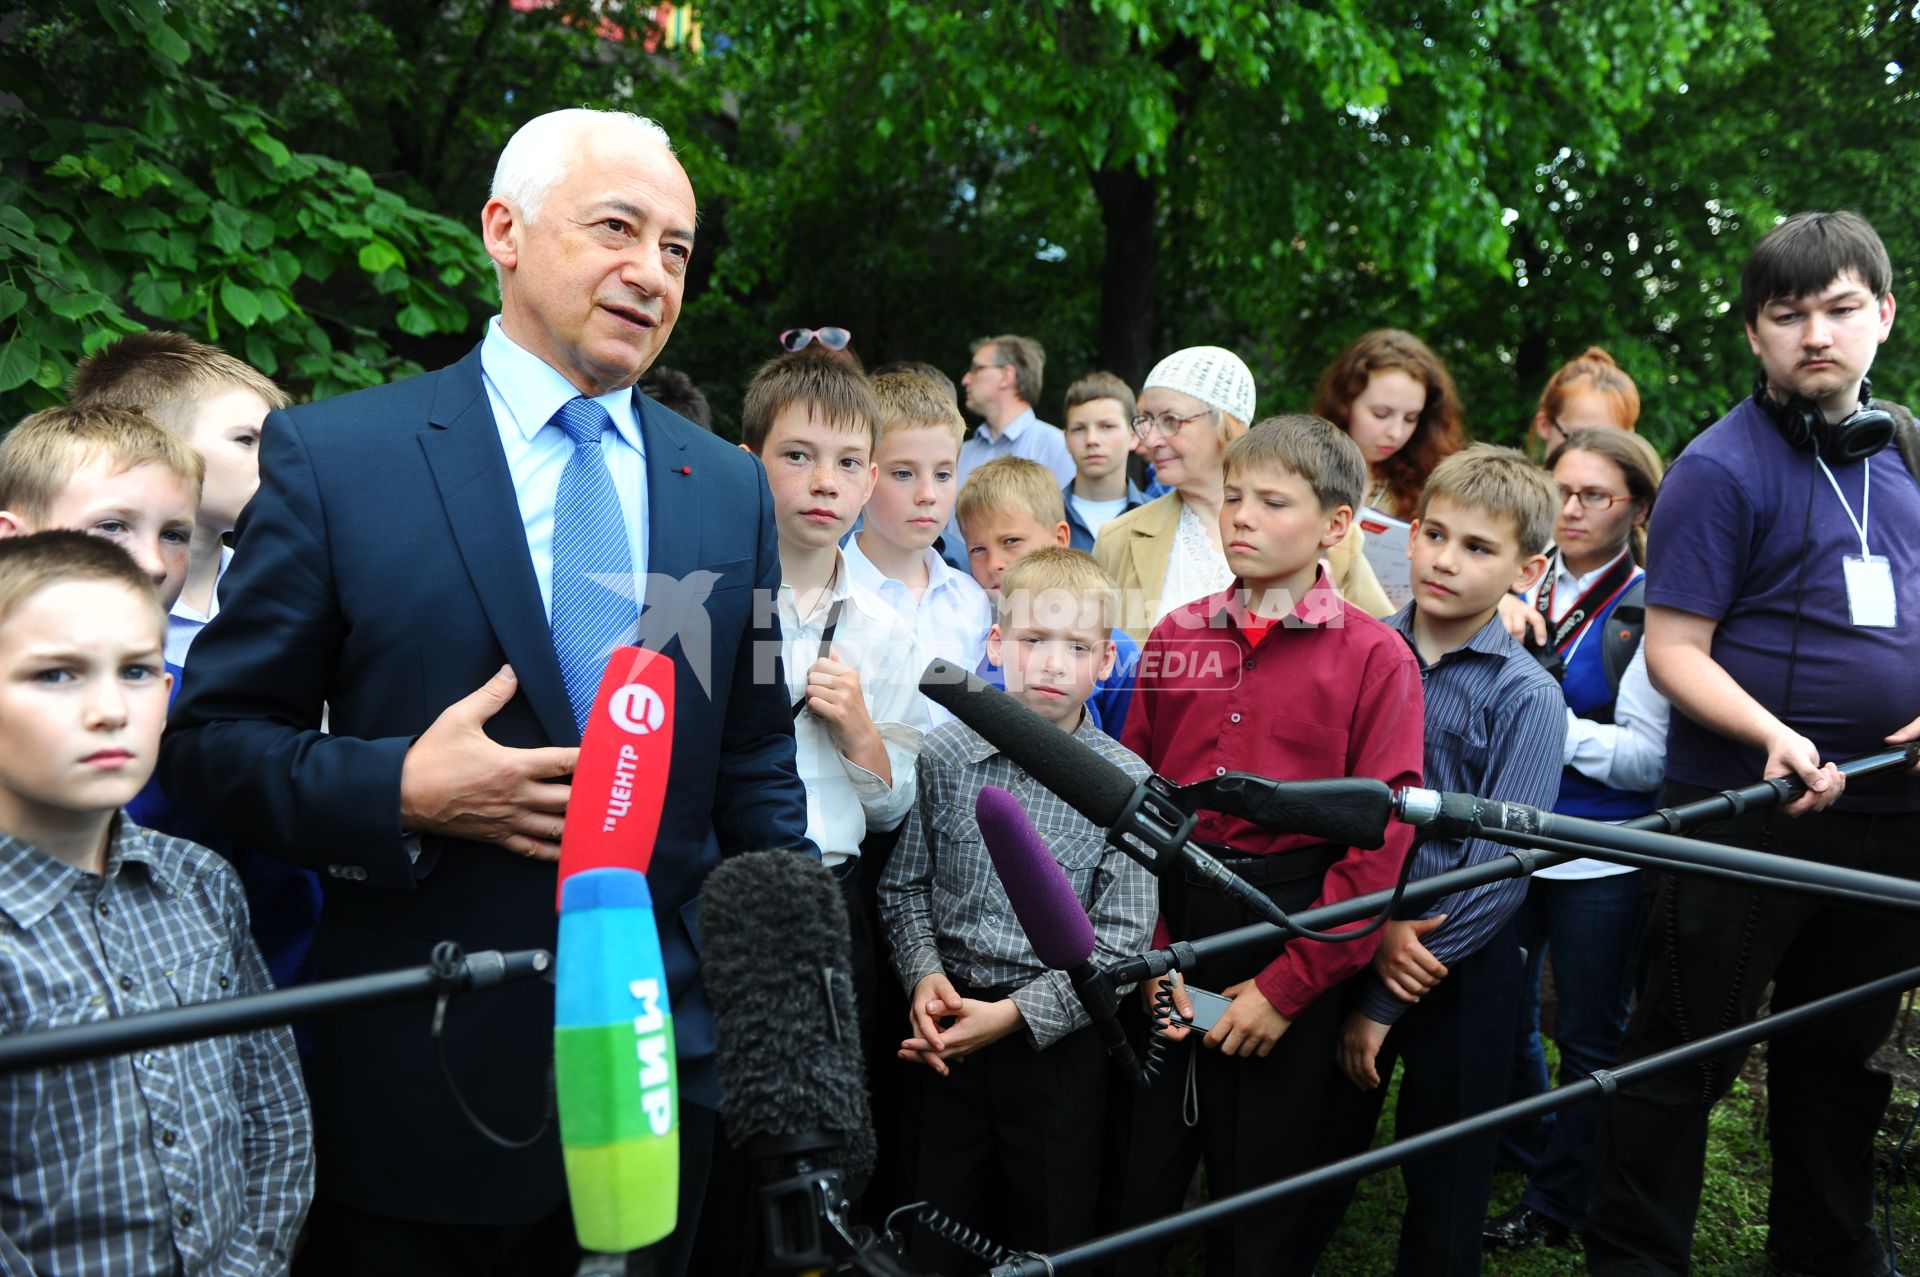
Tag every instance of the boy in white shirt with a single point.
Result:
(916, 458)
(851, 665)
(216, 404)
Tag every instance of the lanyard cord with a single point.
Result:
(1866, 498)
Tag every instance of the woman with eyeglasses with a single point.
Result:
(1168, 552)
(1587, 913)
(1394, 398)
(1588, 392)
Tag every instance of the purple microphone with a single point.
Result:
(1056, 925)
(1051, 914)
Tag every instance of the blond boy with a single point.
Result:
(214, 403)
(194, 1158)
(916, 458)
(1018, 1128)
(1008, 509)
(109, 472)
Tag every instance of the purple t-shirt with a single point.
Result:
(1730, 533)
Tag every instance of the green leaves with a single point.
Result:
(378, 255)
(136, 192)
(19, 360)
(240, 303)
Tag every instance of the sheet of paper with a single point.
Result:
(1386, 551)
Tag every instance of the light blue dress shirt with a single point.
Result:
(1025, 436)
(525, 393)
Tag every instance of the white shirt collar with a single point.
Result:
(844, 590)
(941, 575)
(1575, 586)
(533, 389)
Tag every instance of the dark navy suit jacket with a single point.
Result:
(382, 572)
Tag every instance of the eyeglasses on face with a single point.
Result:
(980, 367)
(1590, 498)
(801, 338)
(1166, 423)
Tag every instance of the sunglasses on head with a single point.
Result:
(800, 338)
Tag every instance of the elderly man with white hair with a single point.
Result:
(444, 565)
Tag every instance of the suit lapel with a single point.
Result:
(462, 446)
(672, 613)
(673, 488)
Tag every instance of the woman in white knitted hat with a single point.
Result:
(1168, 551)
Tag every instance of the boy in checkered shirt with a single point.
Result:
(1014, 1093)
(195, 1158)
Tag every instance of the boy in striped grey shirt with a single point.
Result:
(191, 1159)
(1442, 994)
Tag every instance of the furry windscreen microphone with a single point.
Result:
(776, 961)
(1084, 781)
(1050, 913)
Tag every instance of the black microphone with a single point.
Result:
(1147, 820)
(1636, 843)
(1051, 914)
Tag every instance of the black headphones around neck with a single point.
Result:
(1837, 443)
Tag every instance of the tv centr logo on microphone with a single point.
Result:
(637, 708)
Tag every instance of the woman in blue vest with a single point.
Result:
(1587, 913)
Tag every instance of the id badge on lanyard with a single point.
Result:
(1869, 576)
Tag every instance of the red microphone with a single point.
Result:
(615, 1083)
(620, 782)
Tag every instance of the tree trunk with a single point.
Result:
(1129, 272)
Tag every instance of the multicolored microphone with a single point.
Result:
(615, 1075)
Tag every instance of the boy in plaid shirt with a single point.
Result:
(191, 1159)
(1010, 1118)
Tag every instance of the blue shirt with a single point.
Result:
(1025, 436)
(1749, 534)
(1497, 728)
(1083, 536)
(525, 392)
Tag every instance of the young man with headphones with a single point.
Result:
(1783, 621)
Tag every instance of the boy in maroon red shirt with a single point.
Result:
(1279, 676)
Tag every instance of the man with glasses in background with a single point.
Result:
(1002, 384)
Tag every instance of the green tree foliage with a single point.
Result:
(1803, 107)
(1514, 181)
(1272, 177)
(135, 192)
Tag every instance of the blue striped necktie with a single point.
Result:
(595, 598)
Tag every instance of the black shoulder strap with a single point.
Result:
(1906, 435)
(1625, 624)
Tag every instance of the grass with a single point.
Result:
(1730, 1237)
